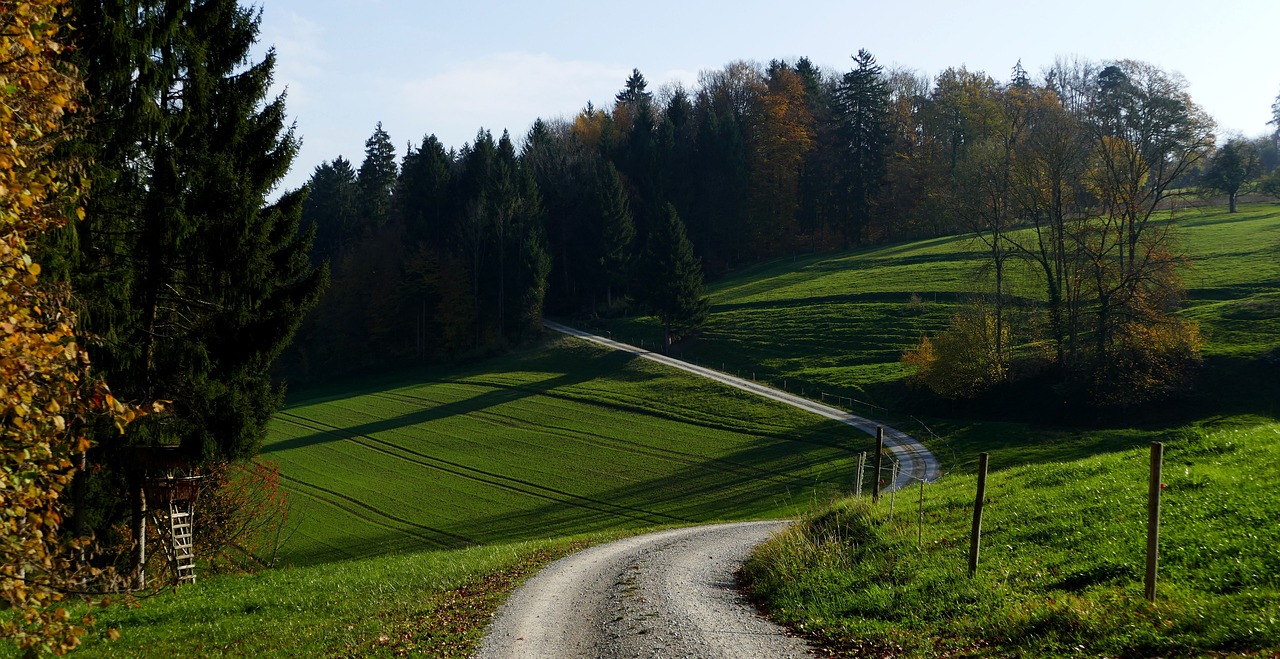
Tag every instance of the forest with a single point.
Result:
(447, 253)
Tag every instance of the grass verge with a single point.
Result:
(434, 604)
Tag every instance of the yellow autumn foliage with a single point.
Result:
(961, 361)
(46, 394)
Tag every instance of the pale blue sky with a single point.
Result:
(449, 68)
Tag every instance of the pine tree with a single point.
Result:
(422, 191)
(377, 178)
(674, 292)
(616, 231)
(332, 207)
(862, 108)
(202, 279)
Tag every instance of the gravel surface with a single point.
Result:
(917, 462)
(672, 593)
(665, 594)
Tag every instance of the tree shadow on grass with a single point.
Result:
(492, 395)
(772, 477)
(767, 477)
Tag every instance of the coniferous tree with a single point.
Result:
(422, 192)
(332, 208)
(862, 106)
(208, 279)
(616, 231)
(674, 291)
(377, 178)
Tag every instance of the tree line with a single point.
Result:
(450, 252)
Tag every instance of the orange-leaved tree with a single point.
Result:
(47, 397)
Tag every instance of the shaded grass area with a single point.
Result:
(566, 438)
(425, 604)
(1062, 560)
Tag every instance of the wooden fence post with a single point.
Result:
(920, 517)
(875, 475)
(1153, 520)
(862, 467)
(893, 491)
(975, 536)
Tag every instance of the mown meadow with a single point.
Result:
(561, 439)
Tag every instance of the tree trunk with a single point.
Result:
(138, 528)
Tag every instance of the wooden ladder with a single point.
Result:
(182, 556)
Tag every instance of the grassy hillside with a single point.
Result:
(839, 323)
(1062, 559)
(559, 440)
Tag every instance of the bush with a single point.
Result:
(961, 361)
(1149, 360)
(241, 517)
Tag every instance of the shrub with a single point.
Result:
(961, 361)
(241, 517)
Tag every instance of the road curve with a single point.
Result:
(916, 461)
(665, 594)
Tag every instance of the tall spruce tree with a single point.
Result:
(191, 280)
(616, 229)
(332, 208)
(377, 178)
(674, 290)
(862, 109)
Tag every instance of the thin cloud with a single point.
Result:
(300, 57)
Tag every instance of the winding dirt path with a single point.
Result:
(670, 593)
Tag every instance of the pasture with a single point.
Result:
(558, 440)
(1061, 568)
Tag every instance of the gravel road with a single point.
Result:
(665, 594)
(917, 462)
(671, 593)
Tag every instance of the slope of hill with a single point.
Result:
(565, 438)
(558, 440)
(836, 325)
(1061, 569)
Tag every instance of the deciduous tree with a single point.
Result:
(48, 397)
(1231, 168)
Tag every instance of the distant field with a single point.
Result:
(1234, 282)
(559, 440)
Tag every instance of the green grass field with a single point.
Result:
(395, 480)
(427, 603)
(558, 440)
